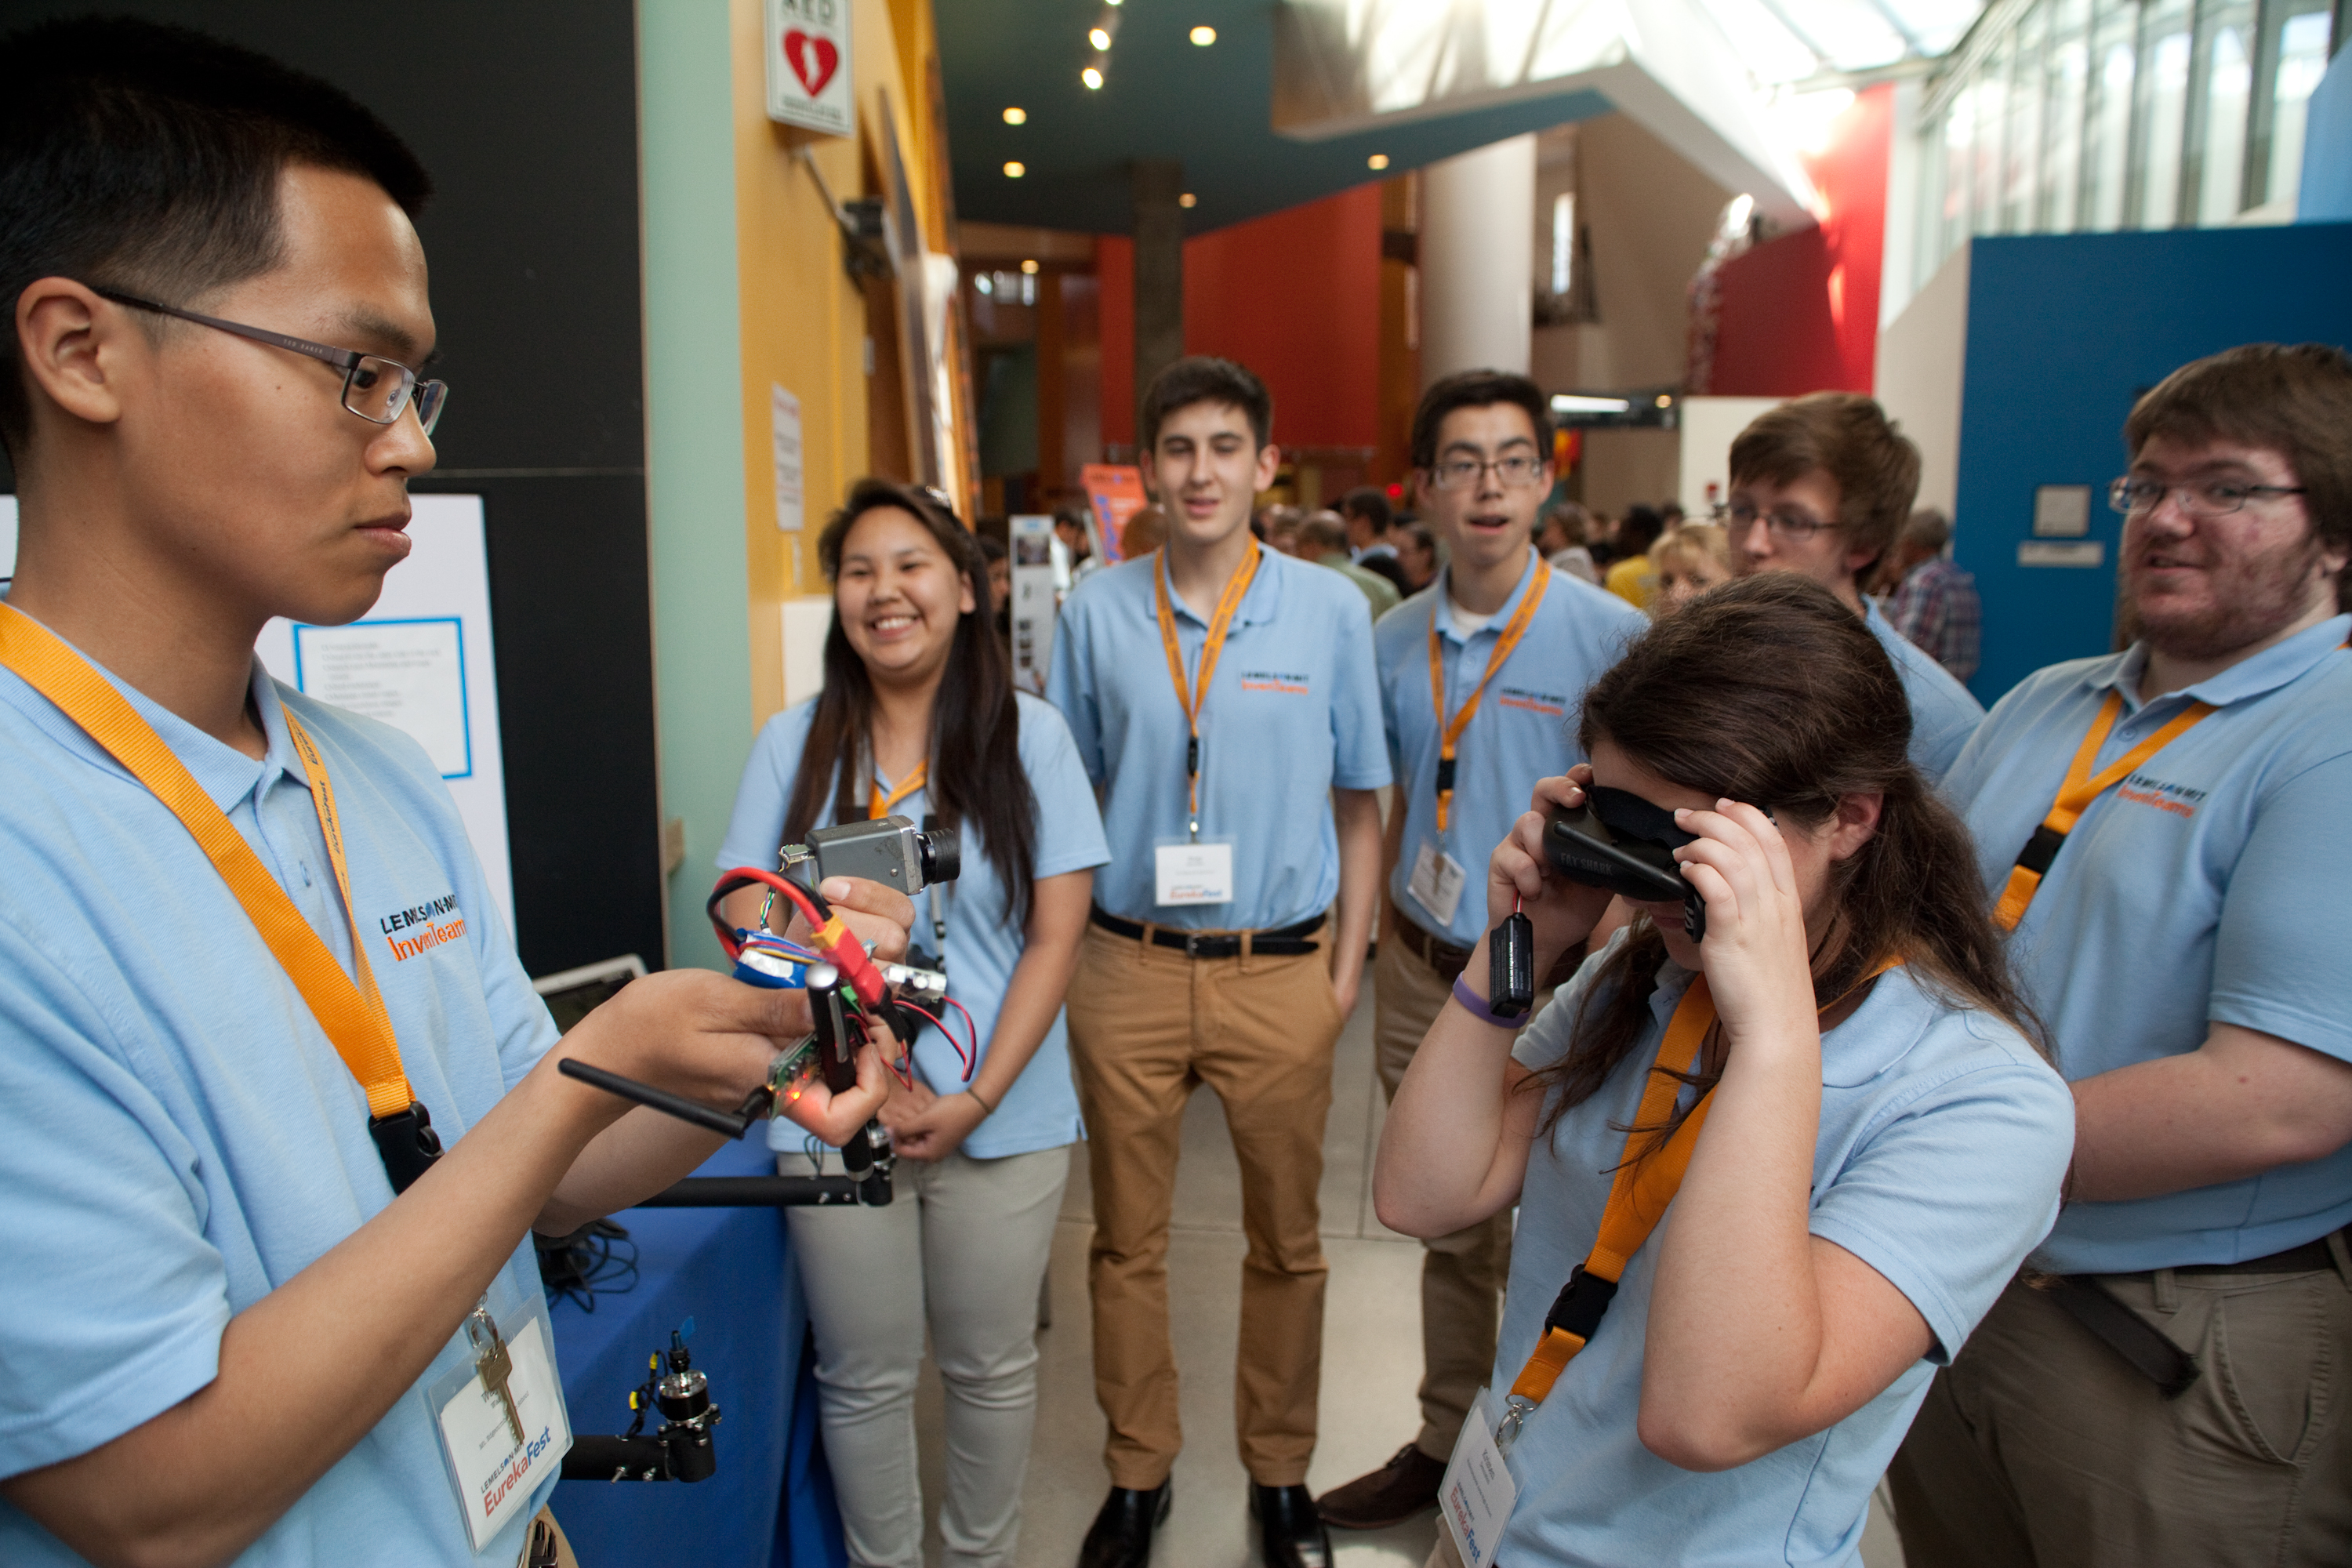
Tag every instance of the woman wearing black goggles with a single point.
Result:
(1804, 1051)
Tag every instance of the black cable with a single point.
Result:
(598, 1258)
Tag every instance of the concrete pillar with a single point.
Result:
(1476, 253)
(1156, 183)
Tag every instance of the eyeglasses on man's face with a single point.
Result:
(377, 389)
(2201, 498)
(1517, 471)
(1793, 526)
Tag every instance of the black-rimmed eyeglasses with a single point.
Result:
(2201, 499)
(376, 388)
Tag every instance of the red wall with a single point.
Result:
(1295, 295)
(1801, 313)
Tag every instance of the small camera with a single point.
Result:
(891, 850)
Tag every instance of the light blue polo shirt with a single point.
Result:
(177, 1135)
(1943, 1140)
(1525, 728)
(1943, 714)
(984, 942)
(2206, 887)
(1293, 712)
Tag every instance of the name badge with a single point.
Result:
(493, 1471)
(1436, 882)
(1190, 873)
(1476, 1495)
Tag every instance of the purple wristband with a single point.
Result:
(1476, 1005)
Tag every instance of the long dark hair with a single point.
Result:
(975, 753)
(1769, 690)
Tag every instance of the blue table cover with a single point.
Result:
(770, 1503)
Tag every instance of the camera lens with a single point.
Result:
(942, 855)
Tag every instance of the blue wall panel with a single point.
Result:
(2326, 194)
(2064, 332)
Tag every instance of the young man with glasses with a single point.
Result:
(1504, 645)
(2164, 834)
(242, 1300)
(1822, 486)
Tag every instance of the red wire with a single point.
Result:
(848, 955)
(971, 1029)
(968, 1057)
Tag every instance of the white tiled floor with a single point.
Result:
(1371, 1353)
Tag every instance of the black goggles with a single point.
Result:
(1621, 843)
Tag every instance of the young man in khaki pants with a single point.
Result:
(1221, 694)
(1516, 644)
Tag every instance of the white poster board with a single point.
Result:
(420, 662)
(1035, 602)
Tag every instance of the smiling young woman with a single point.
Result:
(919, 718)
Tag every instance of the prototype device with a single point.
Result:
(680, 1449)
(1621, 843)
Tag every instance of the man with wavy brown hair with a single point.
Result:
(1822, 486)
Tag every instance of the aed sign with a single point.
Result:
(808, 65)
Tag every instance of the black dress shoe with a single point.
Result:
(1290, 1533)
(1121, 1536)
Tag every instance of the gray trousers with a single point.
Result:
(961, 1251)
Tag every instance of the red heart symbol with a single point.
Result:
(812, 60)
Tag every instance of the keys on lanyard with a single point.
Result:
(1191, 696)
(494, 1364)
(1449, 730)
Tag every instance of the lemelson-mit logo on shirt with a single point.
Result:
(423, 927)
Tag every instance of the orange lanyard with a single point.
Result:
(1646, 1183)
(1191, 697)
(354, 1017)
(879, 806)
(1449, 731)
(2074, 797)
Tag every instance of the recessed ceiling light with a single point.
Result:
(1377, 161)
(1187, 200)
(1098, 39)
(1015, 168)
(1016, 116)
(1092, 78)
(1205, 36)
(1030, 268)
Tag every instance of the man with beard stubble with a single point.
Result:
(2164, 834)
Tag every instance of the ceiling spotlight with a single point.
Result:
(1092, 78)
(1665, 400)
(1015, 168)
(1016, 116)
(1098, 39)
(1205, 36)
(1030, 268)
(1377, 161)
(1187, 200)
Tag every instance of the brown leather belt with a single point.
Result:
(1280, 942)
(1449, 961)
